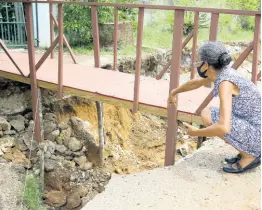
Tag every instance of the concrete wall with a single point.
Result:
(41, 12)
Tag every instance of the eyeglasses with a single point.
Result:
(198, 63)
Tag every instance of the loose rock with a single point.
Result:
(80, 160)
(64, 136)
(53, 135)
(50, 117)
(6, 143)
(55, 198)
(62, 126)
(74, 144)
(61, 149)
(18, 123)
(49, 127)
(4, 125)
(16, 156)
(49, 165)
(86, 166)
(73, 201)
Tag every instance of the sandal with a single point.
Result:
(253, 164)
(234, 159)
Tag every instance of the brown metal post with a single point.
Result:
(115, 37)
(213, 27)
(243, 56)
(51, 26)
(33, 80)
(60, 55)
(259, 75)
(174, 82)
(194, 46)
(138, 58)
(95, 32)
(65, 41)
(213, 31)
(255, 49)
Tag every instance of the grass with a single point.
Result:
(154, 38)
(32, 194)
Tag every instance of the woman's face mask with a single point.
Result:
(201, 72)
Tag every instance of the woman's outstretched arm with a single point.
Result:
(188, 86)
(224, 124)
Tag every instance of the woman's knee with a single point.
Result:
(206, 116)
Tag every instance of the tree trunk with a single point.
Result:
(100, 118)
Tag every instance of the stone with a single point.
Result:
(17, 157)
(53, 157)
(80, 160)
(60, 148)
(55, 198)
(69, 164)
(11, 132)
(50, 117)
(14, 103)
(19, 168)
(29, 115)
(78, 154)
(59, 158)
(1, 134)
(21, 144)
(62, 126)
(29, 141)
(68, 153)
(68, 158)
(6, 143)
(185, 149)
(53, 135)
(1, 152)
(58, 179)
(49, 127)
(2, 160)
(73, 201)
(49, 165)
(47, 155)
(50, 146)
(80, 128)
(74, 144)
(4, 125)
(80, 190)
(86, 166)
(73, 178)
(64, 136)
(18, 123)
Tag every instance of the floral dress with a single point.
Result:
(245, 132)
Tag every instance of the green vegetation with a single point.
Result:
(32, 194)
(158, 29)
(77, 20)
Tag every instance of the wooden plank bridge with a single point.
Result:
(131, 91)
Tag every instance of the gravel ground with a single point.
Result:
(11, 187)
(196, 182)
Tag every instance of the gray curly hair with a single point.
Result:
(215, 54)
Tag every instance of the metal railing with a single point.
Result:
(12, 24)
(175, 62)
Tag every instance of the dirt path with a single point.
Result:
(196, 182)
